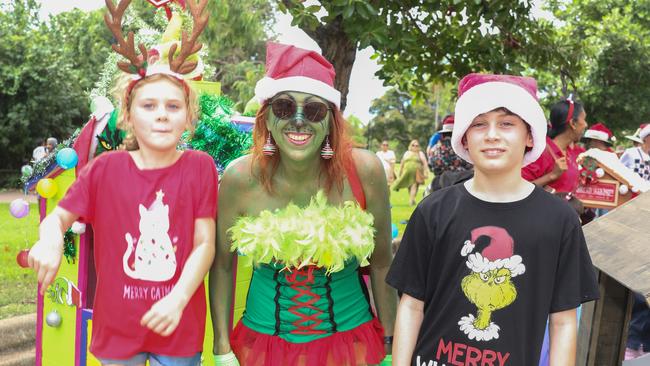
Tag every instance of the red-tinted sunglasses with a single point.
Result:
(286, 108)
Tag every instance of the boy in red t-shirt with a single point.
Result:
(153, 212)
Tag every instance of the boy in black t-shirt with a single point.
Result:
(482, 264)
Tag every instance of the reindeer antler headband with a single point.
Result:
(138, 64)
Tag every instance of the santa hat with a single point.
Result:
(481, 93)
(600, 132)
(498, 254)
(447, 124)
(290, 68)
(645, 132)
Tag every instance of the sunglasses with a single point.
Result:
(286, 108)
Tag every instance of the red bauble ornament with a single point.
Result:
(21, 258)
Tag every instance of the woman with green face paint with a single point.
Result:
(309, 211)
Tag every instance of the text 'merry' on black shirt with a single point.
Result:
(489, 274)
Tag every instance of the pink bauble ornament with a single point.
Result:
(19, 208)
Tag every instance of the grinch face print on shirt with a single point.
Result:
(155, 257)
(489, 285)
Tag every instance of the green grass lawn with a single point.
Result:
(18, 285)
(401, 210)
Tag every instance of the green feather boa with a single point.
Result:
(320, 235)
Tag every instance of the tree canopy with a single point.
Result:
(605, 60)
(44, 75)
(419, 42)
(400, 118)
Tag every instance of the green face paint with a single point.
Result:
(298, 138)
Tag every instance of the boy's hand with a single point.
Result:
(164, 315)
(45, 258)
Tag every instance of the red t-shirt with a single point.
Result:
(143, 224)
(568, 181)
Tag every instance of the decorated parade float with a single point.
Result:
(65, 311)
(605, 182)
(617, 242)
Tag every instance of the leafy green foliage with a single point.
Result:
(43, 76)
(605, 59)
(356, 131)
(419, 42)
(401, 119)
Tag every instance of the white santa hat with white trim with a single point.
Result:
(289, 68)
(498, 254)
(482, 93)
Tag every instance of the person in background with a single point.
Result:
(387, 158)
(39, 152)
(411, 171)
(599, 137)
(432, 142)
(637, 158)
(51, 144)
(444, 161)
(557, 167)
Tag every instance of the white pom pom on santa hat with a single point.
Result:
(498, 254)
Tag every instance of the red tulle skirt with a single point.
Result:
(363, 345)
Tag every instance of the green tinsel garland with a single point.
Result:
(321, 235)
(216, 135)
(40, 167)
(69, 249)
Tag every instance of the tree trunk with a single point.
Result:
(341, 51)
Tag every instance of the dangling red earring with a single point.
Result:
(327, 152)
(269, 147)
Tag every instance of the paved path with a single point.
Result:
(10, 195)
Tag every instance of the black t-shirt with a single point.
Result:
(489, 274)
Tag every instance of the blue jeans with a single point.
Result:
(155, 360)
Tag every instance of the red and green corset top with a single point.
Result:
(306, 304)
(306, 284)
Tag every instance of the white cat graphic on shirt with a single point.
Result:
(155, 257)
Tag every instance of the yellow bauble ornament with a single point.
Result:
(47, 188)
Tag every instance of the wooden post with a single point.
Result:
(604, 325)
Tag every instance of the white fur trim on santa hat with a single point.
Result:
(268, 87)
(447, 127)
(467, 248)
(645, 132)
(466, 324)
(488, 96)
(597, 135)
(479, 264)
